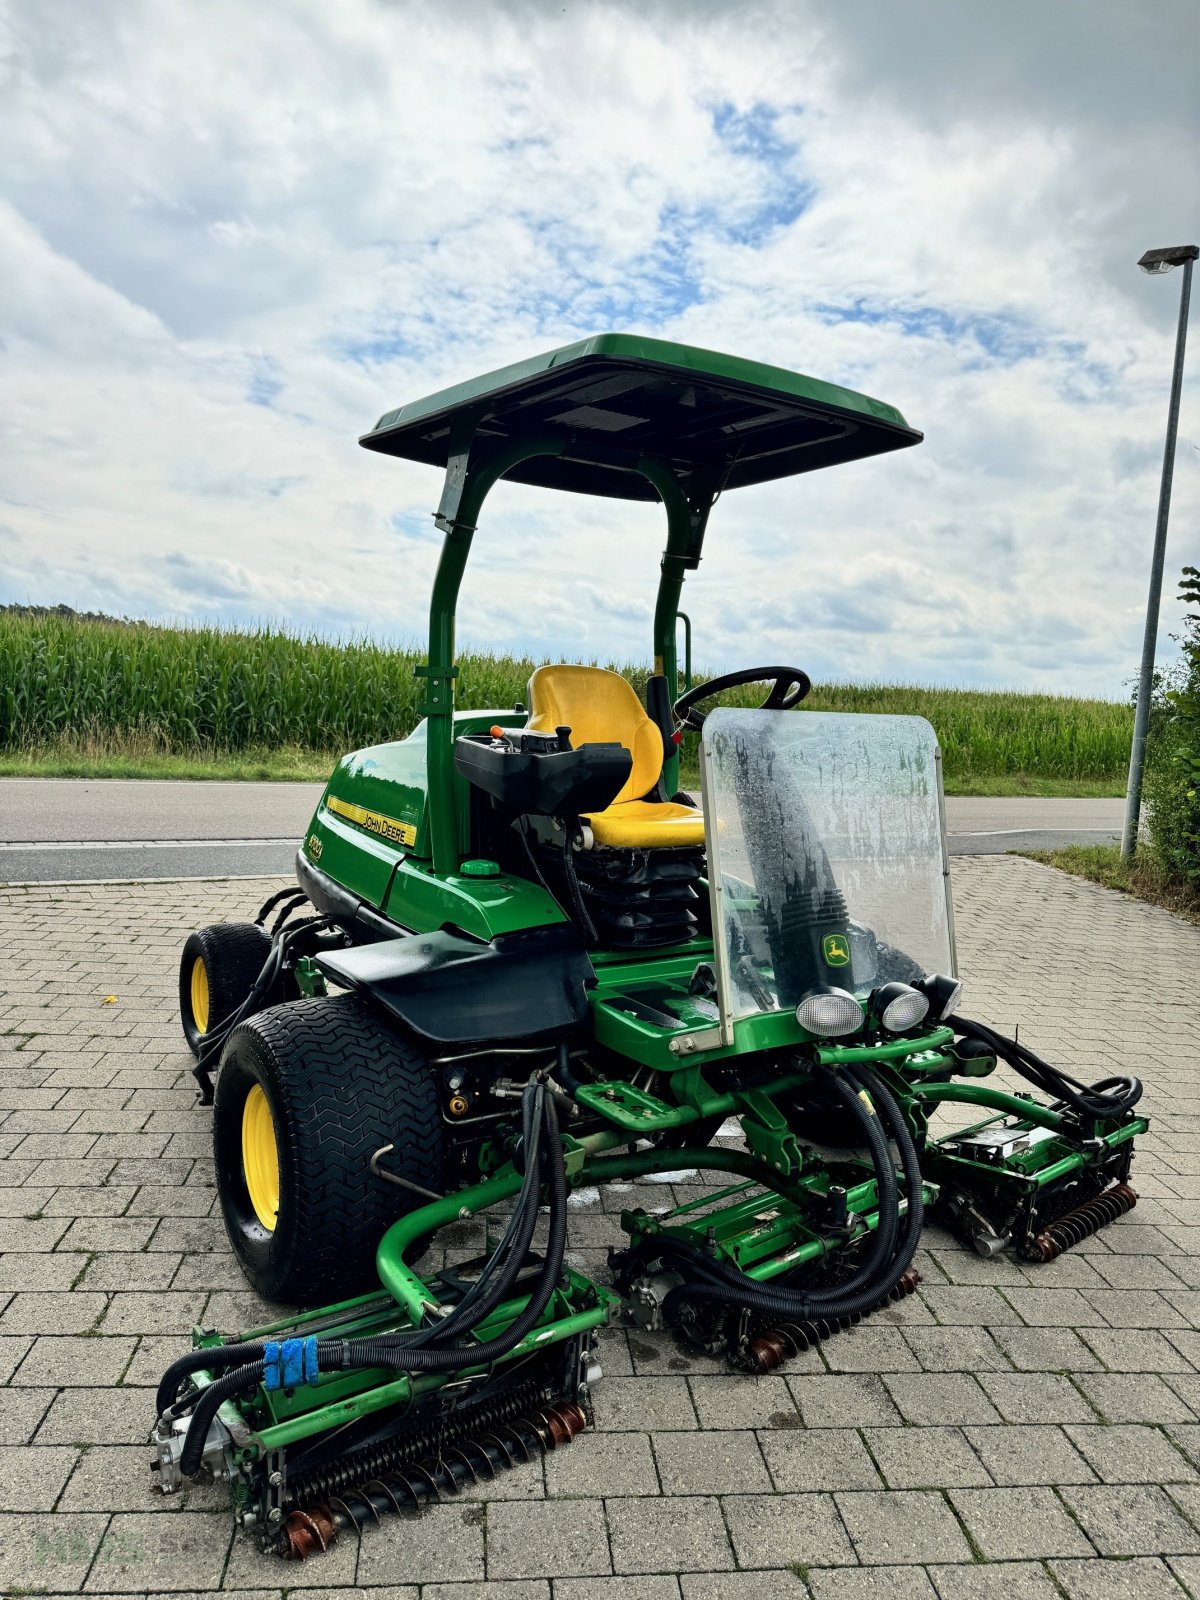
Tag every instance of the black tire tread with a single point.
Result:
(351, 1083)
(233, 954)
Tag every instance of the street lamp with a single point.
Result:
(1156, 262)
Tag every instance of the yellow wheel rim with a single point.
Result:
(200, 994)
(260, 1157)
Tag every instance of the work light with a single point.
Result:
(942, 993)
(897, 1007)
(828, 1013)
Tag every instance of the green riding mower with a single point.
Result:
(518, 959)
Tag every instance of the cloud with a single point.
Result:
(226, 246)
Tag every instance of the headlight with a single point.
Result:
(828, 1013)
(899, 1007)
(943, 994)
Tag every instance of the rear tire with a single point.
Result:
(217, 970)
(336, 1082)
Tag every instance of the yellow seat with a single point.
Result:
(599, 707)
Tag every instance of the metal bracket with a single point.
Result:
(393, 1177)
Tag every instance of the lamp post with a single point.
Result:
(1155, 262)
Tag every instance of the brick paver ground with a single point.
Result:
(1010, 1431)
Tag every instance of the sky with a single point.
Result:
(232, 236)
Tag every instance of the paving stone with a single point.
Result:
(818, 1458)
(128, 1270)
(47, 1553)
(28, 1270)
(956, 1350)
(644, 1587)
(950, 1398)
(251, 1570)
(721, 1462)
(1019, 1524)
(870, 1349)
(153, 1313)
(123, 1082)
(1187, 1570)
(641, 1403)
(21, 1410)
(973, 1308)
(1029, 1455)
(731, 1402)
(902, 1526)
(142, 1551)
(1129, 1453)
(71, 1312)
(551, 1538)
(854, 1400)
(76, 1203)
(1054, 1308)
(13, 1350)
(1132, 1520)
(673, 1534)
(77, 1362)
(1011, 1580)
(1124, 1350)
(31, 1479)
(108, 1233)
(1035, 1397)
(1145, 1578)
(515, 1589)
(1133, 1397)
(787, 1529)
(96, 1416)
(118, 1478)
(925, 1458)
(608, 1463)
(870, 1583)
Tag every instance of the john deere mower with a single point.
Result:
(519, 959)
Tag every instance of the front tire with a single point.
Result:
(217, 971)
(306, 1093)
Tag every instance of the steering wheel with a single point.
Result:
(789, 685)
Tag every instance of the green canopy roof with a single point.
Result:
(619, 396)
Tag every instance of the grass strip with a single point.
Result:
(1142, 877)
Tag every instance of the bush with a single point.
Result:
(1173, 764)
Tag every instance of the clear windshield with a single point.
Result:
(825, 837)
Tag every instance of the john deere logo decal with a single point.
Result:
(836, 950)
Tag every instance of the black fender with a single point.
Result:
(528, 987)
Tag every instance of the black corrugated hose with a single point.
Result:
(725, 1285)
(427, 1351)
(1104, 1101)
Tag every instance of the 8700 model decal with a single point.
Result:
(386, 827)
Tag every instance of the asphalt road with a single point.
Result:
(55, 830)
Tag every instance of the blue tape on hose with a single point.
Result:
(290, 1364)
(293, 1362)
(271, 1374)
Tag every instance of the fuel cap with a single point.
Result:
(480, 869)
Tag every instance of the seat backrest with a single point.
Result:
(598, 707)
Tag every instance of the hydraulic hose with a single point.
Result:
(1105, 1100)
(854, 1296)
(504, 1264)
(218, 1359)
(210, 1402)
(387, 1352)
(397, 1350)
(883, 1241)
(212, 1043)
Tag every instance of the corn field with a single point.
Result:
(197, 690)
